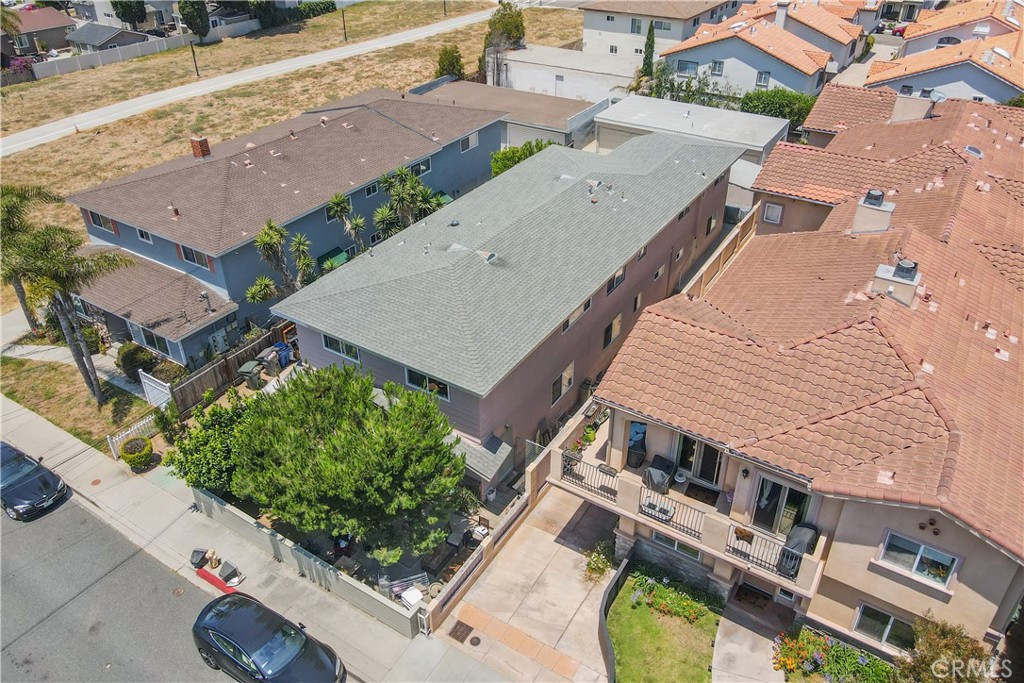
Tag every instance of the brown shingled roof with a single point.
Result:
(670, 9)
(41, 19)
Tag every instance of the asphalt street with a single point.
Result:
(82, 603)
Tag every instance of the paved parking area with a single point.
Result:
(533, 613)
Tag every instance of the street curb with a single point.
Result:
(214, 581)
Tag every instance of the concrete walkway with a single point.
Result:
(49, 132)
(105, 366)
(743, 650)
(154, 512)
(13, 327)
(857, 73)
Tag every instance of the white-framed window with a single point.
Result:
(195, 257)
(469, 142)
(575, 315)
(700, 460)
(421, 168)
(658, 273)
(615, 280)
(764, 78)
(643, 252)
(772, 213)
(371, 190)
(779, 507)
(562, 384)
(376, 238)
(609, 17)
(662, 25)
(21, 41)
(685, 68)
(342, 348)
(918, 559)
(884, 628)
(946, 41)
(978, 98)
(638, 301)
(101, 222)
(351, 252)
(673, 544)
(678, 255)
(611, 333)
(638, 50)
(717, 67)
(696, 21)
(712, 221)
(327, 215)
(613, 49)
(144, 235)
(155, 342)
(636, 26)
(417, 380)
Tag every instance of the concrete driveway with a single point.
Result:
(743, 650)
(855, 74)
(533, 613)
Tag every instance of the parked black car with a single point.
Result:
(26, 487)
(251, 642)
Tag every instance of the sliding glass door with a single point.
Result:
(778, 508)
(702, 461)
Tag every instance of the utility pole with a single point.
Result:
(444, 5)
(195, 62)
(344, 26)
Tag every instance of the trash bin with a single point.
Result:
(251, 373)
(271, 363)
(491, 494)
(284, 353)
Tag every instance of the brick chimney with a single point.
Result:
(200, 147)
(781, 10)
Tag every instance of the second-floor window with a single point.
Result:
(615, 280)
(918, 559)
(717, 67)
(662, 25)
(195, 257)
(611, 333)
(562, 385)
(696, 21)
(703, 461)
(469, 142)
(609, 17)
(635, 26)
(613, 49)
(144, 235)
(417, 380)
(575, 315)
(342, 348)
(421, 168)
(710, 225)
(778, 507)
(370, 190)
(763, 78)
(772, 213)
(376, 238)
(643, 252)
(101, 222)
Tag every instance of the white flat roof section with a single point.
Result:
(574, 60)
(719, 125)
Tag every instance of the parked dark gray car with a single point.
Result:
(251, 642)
(26, 487)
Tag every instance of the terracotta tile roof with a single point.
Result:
(828, 177)
(862, 395)
(964, 13)
(840, 107)
(843, 11)
(994, 55)
(670, 9)
(819, 19)
(41, 19)
(747, 26)
(159, 298)
(1008, 259)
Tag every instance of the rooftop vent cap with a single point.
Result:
(874, 198)
(905, 270)
(1001, 52)
(974, 151)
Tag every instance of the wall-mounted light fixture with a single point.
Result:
(745, 472)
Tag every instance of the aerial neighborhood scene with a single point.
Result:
(645, 341)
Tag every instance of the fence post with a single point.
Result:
(113, 451)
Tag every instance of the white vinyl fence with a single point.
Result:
(91, 60)
(145, 427)
(157, 393)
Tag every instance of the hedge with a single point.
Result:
(131, 358)
(137, 452)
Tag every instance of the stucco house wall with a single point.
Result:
(591, 86)
(742, 62)
(964, 33)
(842, 54)
(797, 215)
(599, 32)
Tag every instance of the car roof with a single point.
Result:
(245, 621)
(9, 452)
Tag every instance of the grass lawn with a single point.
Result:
(655, 648)
(30, 104)
(147, 139)
(57, 392)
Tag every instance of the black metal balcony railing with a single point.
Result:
(589, 477)
(762, 551)
(674, 513)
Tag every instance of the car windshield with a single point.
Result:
(280, 650)
(15, 468)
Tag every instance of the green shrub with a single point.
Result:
(673, 598)
(467, 500)
(271, 15)
(589, 434)
(806, 652)
(51, 329)
(599, 560)
(92, 340)
(168, 371)
(131, 358)
(137, 452)
(168, 422)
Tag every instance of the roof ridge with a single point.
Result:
(945, 486)
(662, 313)
(901, 353)
(824, 332)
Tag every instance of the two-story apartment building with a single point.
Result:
(754, 50)
(619, 27)
(961, 23)
(511, 301)
(190, 223)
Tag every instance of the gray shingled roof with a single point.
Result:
(159, 298)
(670, 9)
(95, 34)
(452, 315)
(222, 203)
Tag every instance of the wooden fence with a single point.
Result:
(221, 373)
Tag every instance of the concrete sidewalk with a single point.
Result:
(155, 512)
(54, 130)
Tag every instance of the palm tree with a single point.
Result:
(16, 201)
(10, 21)
(340, 208)
(410, 201)
(386, 219)
(51, 263)
(270, 243)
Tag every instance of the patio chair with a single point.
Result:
(658, 477)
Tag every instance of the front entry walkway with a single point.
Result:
(743, 649)
(532, 616)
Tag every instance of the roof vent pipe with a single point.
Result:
(906, 270)
(874, 198)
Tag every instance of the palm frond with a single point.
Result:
(263, 289)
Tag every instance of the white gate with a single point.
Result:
(157, 393)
